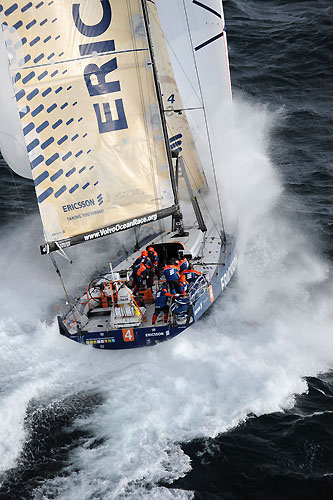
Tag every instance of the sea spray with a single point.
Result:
(249, 355)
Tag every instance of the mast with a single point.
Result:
(177, 222)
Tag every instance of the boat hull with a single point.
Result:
(130, 338)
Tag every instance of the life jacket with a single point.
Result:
(147, 262)
(183, 264)
(171, 273)
(139, 268)
(153, 256)
(161, 297)
(104, 299)
(191, 274)
(183, 287)
(136, 262)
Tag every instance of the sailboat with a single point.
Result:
(110, 108)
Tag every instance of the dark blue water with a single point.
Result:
(281, 58)
(281, 55)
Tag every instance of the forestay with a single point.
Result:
(89, 113)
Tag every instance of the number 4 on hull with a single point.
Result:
(128, 335)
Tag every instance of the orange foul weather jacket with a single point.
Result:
(191, 274)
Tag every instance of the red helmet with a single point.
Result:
(151, 249)
(144, 253)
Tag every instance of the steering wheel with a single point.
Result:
(94, 287)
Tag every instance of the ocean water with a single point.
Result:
(241, 406)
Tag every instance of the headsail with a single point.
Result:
(12, 142)
(179, 132)
(197, 44)
(89, 114)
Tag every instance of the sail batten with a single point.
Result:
(90, 115)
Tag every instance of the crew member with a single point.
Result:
(171, 273)
(183, 285)
(161, 303)
(139, 272)
(143, 258)
(191, 274)
(183, 264)
(153, 256)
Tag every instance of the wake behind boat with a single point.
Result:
(111, 109)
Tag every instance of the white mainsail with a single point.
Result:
(89, 114)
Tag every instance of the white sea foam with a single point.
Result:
(271, 328)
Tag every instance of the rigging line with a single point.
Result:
(196, 185)
(199, 194)
(175, 55)
(80, 271)
(18, 192)
(159, 227)
(63, 285)
(171, 109)
(206, 121)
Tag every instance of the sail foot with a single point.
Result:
(48, 247)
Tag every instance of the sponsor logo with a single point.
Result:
(228, 274)
(198, 309)
(101, 79)
(154, 334)
(131, 193)
(176, 140)
(120, 227)
(98, 341)
(65, 244)
(78, 205)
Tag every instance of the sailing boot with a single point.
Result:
(153, 321)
